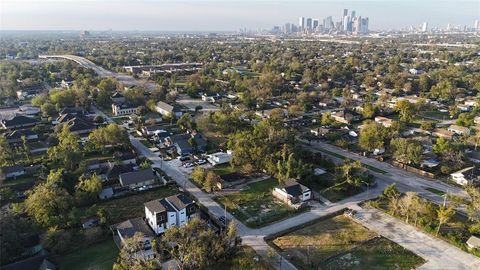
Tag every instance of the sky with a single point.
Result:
(226, 15)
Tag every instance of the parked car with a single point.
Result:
(184, 158)
(201, 161)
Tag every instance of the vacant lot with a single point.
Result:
(246, 258)
(97, 257)
(321, 183)
(256, 206)
(339, 243)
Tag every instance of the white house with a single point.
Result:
(292, 193)
(123, 109)
(165, 213)
(219, 158)
(166, 109)
(466, 176)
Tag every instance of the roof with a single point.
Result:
(117, 169)
(136, 177)
(295, 189)
(11, 169)
(117, 95)
(470, 173)
(129, 227)
(155, 206)
(17, 134)
(38, 262)
(167, 107)
(79, 123)
(179, 201)
(473, 241)
(19, 120)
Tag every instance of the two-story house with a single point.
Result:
(176, 210)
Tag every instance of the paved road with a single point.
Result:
(126, 79)
(400, 177)
(438, 253)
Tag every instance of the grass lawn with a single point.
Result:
(435, 191)
(224, 169)
(244, 259)
(131, 206)
(146, 143)
(322, 182)
(97, 257)
(329, 243)
(256, 206)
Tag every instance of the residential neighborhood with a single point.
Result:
(311, 148)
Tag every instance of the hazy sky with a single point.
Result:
(184, 15)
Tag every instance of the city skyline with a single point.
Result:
(224, 15)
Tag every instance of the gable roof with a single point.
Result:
(19, 120)
(295, 189)
(170, 204)
(167, 107)
(136, 177)
(129, 227)
(179, 201)
(79, 124)
(17, 134)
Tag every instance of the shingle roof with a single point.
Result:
(136, 177)
(19, 120)
(295, 189)
(129, 227)
(179, 201)
(172, 203)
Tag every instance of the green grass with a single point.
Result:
(243, 259)
(97, 257)
(256, 206)
(328, 242)
(224, 169)
(435, 191)
(377, 254)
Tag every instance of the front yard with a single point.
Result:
(100, 256)
(256, 206)
(340, 243)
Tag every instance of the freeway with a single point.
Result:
(126, 79)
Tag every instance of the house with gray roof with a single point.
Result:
(292, 193)
(137, 179)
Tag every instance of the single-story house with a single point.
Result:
(183, 146)
(219, 158)
(345, 116)
(292, 193)
(443, 133)
(137, 179)
(166, 109)
(12, 171)
(466, 176)
(473, 242)
(19, 121)
(16, 135)
(386, 122)
(459, 130)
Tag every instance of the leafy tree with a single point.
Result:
(444, 214)
(406, 110)
(131, 255)
(107, 84)
(88, 188)
(48, 203)
(406, 150)
(442, 145)
(198, 174)
(372, 136)
(16, 230)
(67, 152)
(186, 122)
(465, 119)
(7, 155)
(57, 241)
(211, 180)
(110, 135)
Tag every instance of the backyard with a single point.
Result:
(322, 182)
(256, 205)
(340, 243)
(100, 256)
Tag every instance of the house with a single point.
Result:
(41, 261)
(292, 193)
(119, 109)
(168, 110)
(459, 130)
(466, 176)
(230, 179)
(152, 130)
(17, 135)
(182, 143)
(125, 157)
(19, 121)
(80, 125)
(473, 242)
(29, 92)
(443, 133)
(114, 171)
(319, 132)
(219, 158)
(137, 179)
(176, 210)
(117, 98)
(384, 121)
(345, 117)
(129, 228)
(12, 172)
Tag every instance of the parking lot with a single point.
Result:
(187, 166)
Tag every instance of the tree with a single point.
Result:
(427, 125)
(197, 246)
(406, 110)
(131, 255)
(442, 145)
(88, 188)
(16, 231)
(444, 214)
(198, 174)
(408, 205)
(48, 203)
(57, 241)
(186, 123)
(408, 151)
(369, 110)
(326, 119)
(465, 119)
(211, 180)
(112, 135)
(7, 155)
(67, 152)
(372, 136)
